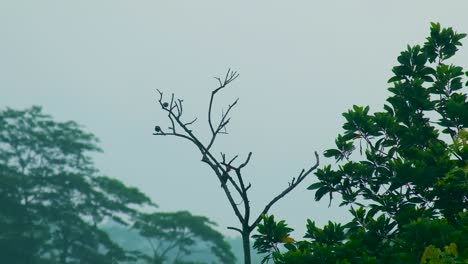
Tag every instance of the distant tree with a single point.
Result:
(226, 170)
(181, 234)
(411, 186)
(52, 198)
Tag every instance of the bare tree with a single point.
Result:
(228, 172)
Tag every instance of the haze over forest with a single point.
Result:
(301, 66)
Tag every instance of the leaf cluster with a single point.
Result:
(404, 168)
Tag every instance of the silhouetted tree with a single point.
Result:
(227, 171)
(51, 196)
(181, 234)
(53, 201)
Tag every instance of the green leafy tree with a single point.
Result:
(174, 236)
(410, 186)
(52, 197)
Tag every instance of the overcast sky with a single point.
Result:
(301, 64)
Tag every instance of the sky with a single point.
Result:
(301, 64)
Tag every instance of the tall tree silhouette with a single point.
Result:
(227, 170)
(51, 195)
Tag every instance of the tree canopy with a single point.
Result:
(182, 233)
(403, 171)
(54, 201)
(54, 195)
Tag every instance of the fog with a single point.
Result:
(301, 64)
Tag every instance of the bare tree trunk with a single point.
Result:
(246, 246)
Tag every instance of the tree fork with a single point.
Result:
(227, 173)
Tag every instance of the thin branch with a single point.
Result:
(223, 175)
(161, 133)
(172, 122)
(151, 245)
(244, 196)
(171, 105)
(235, 157)
(293, 185)
(171, 246)
(211, 161)
(236, 186)
(217, 168)
(242, 190)
(246, 161)
(230, 77)
(234, 228)
(181, 109)
(222, 124)
(191, 122)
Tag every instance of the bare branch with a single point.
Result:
(191, 122)
(161, 133)
(230, 76)
(172, 122)
(293, 185)
(224, 168)
(234, 228)
(235, 157)
(219, 171)
(246, 161)
(160, 95)
(228, 165)
(173, 118)
(224, 120)
(180, 107)
(236, 186)
(171, 105)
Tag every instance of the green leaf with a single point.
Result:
(321, 192)
(332, 153)
(290, 247)
(315, 186)
(395, 79)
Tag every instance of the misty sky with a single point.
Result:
(301, 64)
